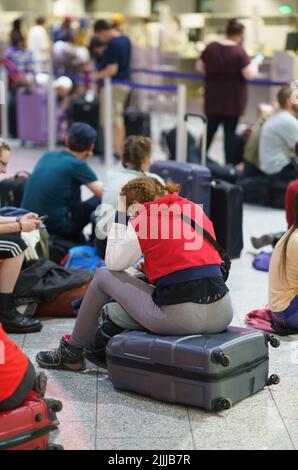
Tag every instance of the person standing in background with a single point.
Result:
(39, 44)
(16, 36)
(116, 64)
(227, 68)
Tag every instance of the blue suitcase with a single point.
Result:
(208, 371)
(195, 180)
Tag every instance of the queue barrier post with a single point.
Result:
(3, 102)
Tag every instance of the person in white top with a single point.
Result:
(279, 137)
(39, 44)
(136, 161)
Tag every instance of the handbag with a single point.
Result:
(226, 262)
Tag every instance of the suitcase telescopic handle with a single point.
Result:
(195, 115)
(204, 139)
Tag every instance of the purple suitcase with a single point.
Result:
(32, 115)
(208, 371)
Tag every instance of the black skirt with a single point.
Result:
(11, 245)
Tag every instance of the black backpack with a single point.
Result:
(12, 189)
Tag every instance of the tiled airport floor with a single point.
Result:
(95, 416)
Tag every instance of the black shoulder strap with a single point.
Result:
(205, 234)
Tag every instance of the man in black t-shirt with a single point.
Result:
(116, 65)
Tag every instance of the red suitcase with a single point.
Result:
(28, 426)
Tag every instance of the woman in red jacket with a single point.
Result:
(186, 293)
(17, 375)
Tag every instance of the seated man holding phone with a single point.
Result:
(12, 248)
(55, 185)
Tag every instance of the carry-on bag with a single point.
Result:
(227, 216)
(137, 123)
(86, 108)
(28, 426)
(63, 305)
(32, 115)
(195, 180)
(12, 189)
(208, 371)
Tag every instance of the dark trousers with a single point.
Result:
(287, 174)
(230, 124)
(19, 396)
(80, 213)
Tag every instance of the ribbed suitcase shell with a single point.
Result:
(26, 427)
(186, 369)
(195, 180)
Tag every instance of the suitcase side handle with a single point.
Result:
(219, 357)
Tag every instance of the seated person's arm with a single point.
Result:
(123, 248)
(96, 188)
(12, 227)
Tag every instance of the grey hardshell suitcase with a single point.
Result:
(212, 372)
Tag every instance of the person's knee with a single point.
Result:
(100, 277)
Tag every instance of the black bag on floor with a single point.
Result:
(82, 110)
(278, 191)
(59, 247)
(41, 281)
(12, 189)
(137, 123)
(227, 216)
(255, 190)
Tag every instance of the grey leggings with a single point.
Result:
(135, 296)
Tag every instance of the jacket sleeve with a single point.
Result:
(123, 248)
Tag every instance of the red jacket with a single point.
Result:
(168, 244)
(13, 366)
(290, 202)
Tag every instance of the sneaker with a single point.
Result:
(15, 322)
(66, 357)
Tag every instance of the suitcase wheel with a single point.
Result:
(218, 357)
(273, 380)
(55, 447)
(54, 405)
(275, 343)
(222, 404)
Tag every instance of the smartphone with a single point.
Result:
(43, 218)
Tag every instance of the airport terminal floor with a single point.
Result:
(95, 416)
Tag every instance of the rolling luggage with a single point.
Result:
(137, 123)
(28, 426)
(195, 180)
(227, 216)
(86, 109)
(32, 115)
(12, 189)
(212, 372)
